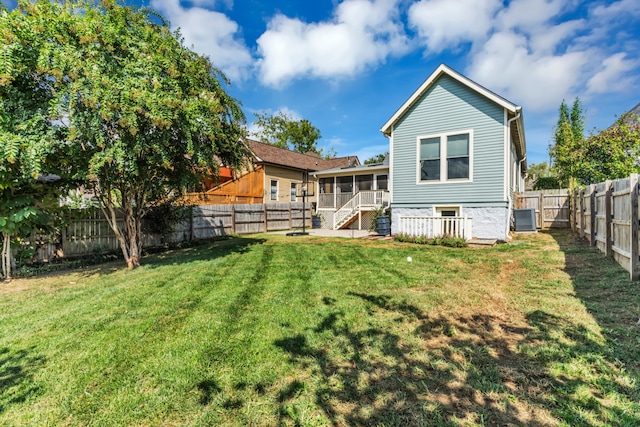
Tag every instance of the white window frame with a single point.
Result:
(293, 191)
(443, 158)
(437, 210)
(277, 189)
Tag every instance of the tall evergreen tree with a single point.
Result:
(568, 141)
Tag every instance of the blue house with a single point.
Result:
(457, 155)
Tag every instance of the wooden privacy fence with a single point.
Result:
(552, 207)
(89, 233)
(606, 214)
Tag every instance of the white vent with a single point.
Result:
(525, 219)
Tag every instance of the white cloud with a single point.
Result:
(612, 76)
(628, 8)
(445, 23)
(508, 66)
(362, 33)
(211, 33)
(528, 51)
(530, 14)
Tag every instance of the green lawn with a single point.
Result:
(276, 330)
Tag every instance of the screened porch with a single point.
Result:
(335, 191)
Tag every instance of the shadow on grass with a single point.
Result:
(202, 252)
(608, 294)
(452, 369)
(109, 263)
(17, 369)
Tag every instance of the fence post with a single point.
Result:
(576, 209)
(592, 217)
(582, 213)
(266, 225)
(633, 262)
(541, 208)
(191, 222)
(575, 204)
(233, 219)
(607, 213)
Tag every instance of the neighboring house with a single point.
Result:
(348, 197)
(277, 175)
(457, 154)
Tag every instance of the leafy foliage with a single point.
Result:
(29, 135)
(450, 241)
(568, 140)
(539, 169)
(378, 158)
(613, 153)
(546, 183)
(284, 131)
(144, 115)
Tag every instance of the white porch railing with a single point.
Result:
(367, 200)
(337, 200)
(434, 226)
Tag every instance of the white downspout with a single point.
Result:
(510, 196)
(520, 178)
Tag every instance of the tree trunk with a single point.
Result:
(6, 256)
(132, 237)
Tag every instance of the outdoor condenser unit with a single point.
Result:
(525, 219)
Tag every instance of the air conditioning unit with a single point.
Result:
(524, 219)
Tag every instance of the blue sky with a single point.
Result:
(348, 65)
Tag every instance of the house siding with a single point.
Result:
(285, 177)
(449, 106)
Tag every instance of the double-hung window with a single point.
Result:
(294, 192)
(445, 157)
(274, 189)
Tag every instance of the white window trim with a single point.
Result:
(443, 158)
(439, 208)
(293, 195)
(277, 189)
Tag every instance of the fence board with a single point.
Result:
(87, 232)
(621, 222)
(552, 207)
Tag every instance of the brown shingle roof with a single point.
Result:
(266, 153)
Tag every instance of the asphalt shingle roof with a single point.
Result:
(266, 153)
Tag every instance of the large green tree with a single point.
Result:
(568, 139)
(284, 131)
(144, 115)
(28, 136)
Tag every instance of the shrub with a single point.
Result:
(449, 241)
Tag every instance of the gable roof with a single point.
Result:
(440, 71)
(267, 153)
(515, 110)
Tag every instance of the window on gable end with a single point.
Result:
(445, 157)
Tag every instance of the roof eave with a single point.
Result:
(387, 128)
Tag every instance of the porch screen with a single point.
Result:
(344, 184)
(326, 185)
(364, 183)
(382, 182)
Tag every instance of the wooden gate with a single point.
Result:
(552, 207)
